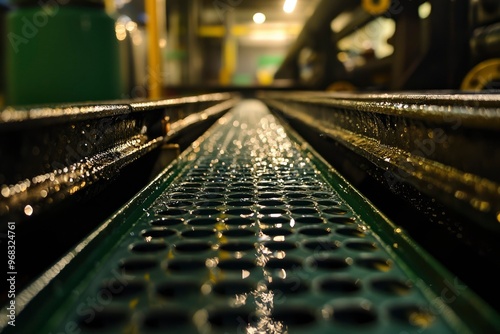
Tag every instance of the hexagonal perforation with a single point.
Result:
(250, 233)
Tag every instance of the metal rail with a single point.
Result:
(250, 230)
(443, 144)
(52, 153)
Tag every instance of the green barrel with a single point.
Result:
(3, 12)
(61, 51)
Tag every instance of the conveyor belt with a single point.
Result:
(249, 231)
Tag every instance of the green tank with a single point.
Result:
(3, 12)
(61, 51)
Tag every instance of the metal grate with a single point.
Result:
(251, 237)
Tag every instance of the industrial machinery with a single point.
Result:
(396, 45)
(362, 198)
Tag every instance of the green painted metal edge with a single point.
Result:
(60, 285)
(447, 295)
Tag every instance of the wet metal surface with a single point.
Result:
(444, 145)
(248, 233)
(50, 154)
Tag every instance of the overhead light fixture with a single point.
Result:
(259, 18)
(289, 6)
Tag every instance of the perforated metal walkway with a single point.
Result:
(250, 231)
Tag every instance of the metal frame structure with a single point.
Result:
(444, 46)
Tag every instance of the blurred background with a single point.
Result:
(84, 61)
(314, 44)
(206, 44)
(190, 46)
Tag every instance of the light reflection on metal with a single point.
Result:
(245, 274)
(121, 125)
(28, 210)
(390, 130)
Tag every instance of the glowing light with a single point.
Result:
(259, 18)
(130, 25)
(424, 10)
(206, 289)
(289, 6)
(282, 273)
(137, 39)
(341, 21)
(28, 210)
(121, 31)
(5, 191)
(245, 274)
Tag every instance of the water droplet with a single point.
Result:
(282, 274)
(28, 210)
(5, 191)
(245, 274)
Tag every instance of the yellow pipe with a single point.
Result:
(229, 57)
(219, 31)
(109, 6)
(154, 59)
(212, 31)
